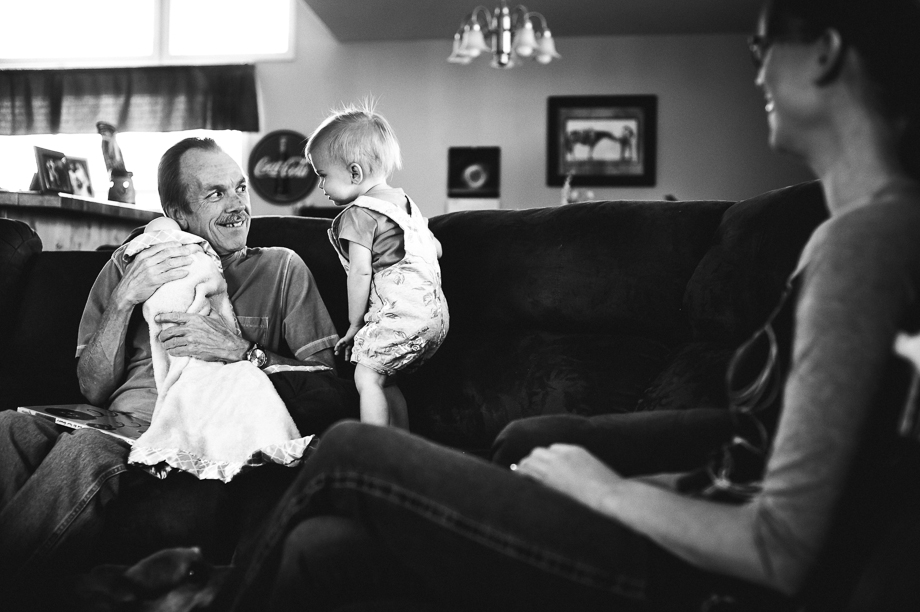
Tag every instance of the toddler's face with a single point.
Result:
(334, 179)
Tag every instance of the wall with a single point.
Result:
(712, 135)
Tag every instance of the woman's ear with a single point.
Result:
(832, 53)
(357, 173)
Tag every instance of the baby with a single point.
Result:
(396, 310)
(203, 291)
(211, 419)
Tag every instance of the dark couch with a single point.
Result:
(589, 308)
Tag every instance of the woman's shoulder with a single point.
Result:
(896, 217)
(876, 239)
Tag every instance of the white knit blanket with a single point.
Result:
(212, 419)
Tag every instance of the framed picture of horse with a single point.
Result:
(601, 140)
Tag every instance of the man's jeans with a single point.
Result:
(379, 514)
(53, 487)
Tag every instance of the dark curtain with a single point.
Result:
(149, 99)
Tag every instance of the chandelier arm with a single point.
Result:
(543, 26)
(477, 17)
(519, 15)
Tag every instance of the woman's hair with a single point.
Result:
(356, 133)
(886, 34)
(173, 192)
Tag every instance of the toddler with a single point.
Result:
(396, 310)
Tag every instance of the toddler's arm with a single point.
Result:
(360, 270)
(437, 245)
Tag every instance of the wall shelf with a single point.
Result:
(67, 222)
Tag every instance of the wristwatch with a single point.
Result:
(256, 356)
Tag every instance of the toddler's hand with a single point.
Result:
(345, 343)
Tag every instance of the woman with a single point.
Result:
(377, 513)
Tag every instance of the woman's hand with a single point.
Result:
(570, 470)
(345, 342)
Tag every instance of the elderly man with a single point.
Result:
(53, 487)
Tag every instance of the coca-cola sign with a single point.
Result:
(278, 170)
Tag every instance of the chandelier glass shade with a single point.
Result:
(508, 34)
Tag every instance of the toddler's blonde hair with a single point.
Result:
(357, 133)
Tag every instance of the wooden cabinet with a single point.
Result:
(72, 223)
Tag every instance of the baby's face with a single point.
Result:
(161, 224)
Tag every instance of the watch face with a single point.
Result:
(258, 357)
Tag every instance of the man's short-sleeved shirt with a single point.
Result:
(275, 300)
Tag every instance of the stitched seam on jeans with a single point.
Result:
(495, 539)
(65, 524)
(278, 524)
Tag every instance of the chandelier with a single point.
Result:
(512, 36)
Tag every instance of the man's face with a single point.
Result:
(219, 198)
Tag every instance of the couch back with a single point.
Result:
(588, 308)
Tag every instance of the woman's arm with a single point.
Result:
(715, 537)
(859, 284)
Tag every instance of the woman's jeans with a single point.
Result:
(379, 514)
(52, 485)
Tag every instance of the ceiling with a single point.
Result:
(379, 20)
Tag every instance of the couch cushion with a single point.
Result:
(18, 243)
(37, 360)
(694, 377)
(596, 267)
(480, 381)
(756, 247)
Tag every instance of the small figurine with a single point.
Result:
(121, 185)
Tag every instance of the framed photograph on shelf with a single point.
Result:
(601, 140)
(78, 172)
(52, 171)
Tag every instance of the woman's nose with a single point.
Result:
(758, 80)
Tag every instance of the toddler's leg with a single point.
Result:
(373, 399)
(399, 412)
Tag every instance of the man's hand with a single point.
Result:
(205, 338)
(570, 470)
(345, 342)
(152, 267)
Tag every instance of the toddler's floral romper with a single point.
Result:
(407, 317)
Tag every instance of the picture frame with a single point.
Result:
(51, 169)
(473, 172)
(78, 172)
(602, 140)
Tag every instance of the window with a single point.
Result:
(141, 151)
(93, 33)
(132, 33)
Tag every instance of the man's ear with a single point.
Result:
(178, 215)
(356, 172)
(832, 52)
